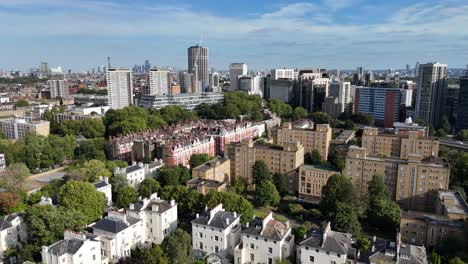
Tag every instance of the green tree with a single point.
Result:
(21, 103)
(463, 135)
(445, 124)
(126, 196)
(260, 172)
(179, 247)
(266, 194)
(345, 219)
(378, 189)
(282, 183)
(384, 213)
(456, 260)
(89, 171)
(189, 201)
(239, 185)
(279, 107)
(363, 243)
(92, 149)
(338, 189)
(321, 118)
(232, 202)
(14, 176)
(174, 175)
(314, 157)
(148, 186)
(84, 198)
(8, 201)
(298, 113)
(151, 255)
(198, 159)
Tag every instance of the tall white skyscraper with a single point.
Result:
(214, 82)
(58, 88)
(278, 74)
(159, 81)
(431, 89)
(344, 94)
(119, 87)
(198, 66)
(235, 71)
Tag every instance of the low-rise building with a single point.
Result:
(75, 248)
(412, 181)
(119, 234)
(159, 217)
(326, 246)
(311, 180)
(204, 186)
(2, 162)
(188, 101)
(218, 169)
(216, 232)
(264, 240)
(383, 251)
(12, 232)
(279, 159)
(103, 185)
(81, 113)
(312, 139)
(17, 128)
(134, 173)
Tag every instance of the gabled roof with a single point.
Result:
(69, 246)
(337, 242)
(219, 219)
(132, 168)
(5, 222)
(114, 225)
(100, 184)
(274, 229)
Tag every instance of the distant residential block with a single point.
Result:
(17, 128)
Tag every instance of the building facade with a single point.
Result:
(218, 169)
(312, 139)
(279, 159)
(159, 81)
(311, 180)
(13, 232)
(398, 145)
(411, 181)
(198, 66)
(58, 88)
(431, 88)
(383, 104)
(216, 232)
(119, 87)
(18, 128)
(235, 71)
(264, 241)
(462, 109)
(188, 101)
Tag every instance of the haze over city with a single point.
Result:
(329, 34)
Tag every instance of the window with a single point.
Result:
(94, 257)
(270, 261)
(311, 259)
(270, 250)
(201, 234)
(216, 238)
(201, 245)
(216, 249)
(252, 257)
(252, 246)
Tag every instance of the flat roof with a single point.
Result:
(460, 206)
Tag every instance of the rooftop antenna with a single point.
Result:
(108, 62)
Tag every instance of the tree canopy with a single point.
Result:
(232, 202)
(260, 172)
(199, 159)
(266, 194)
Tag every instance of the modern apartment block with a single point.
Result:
(17, 128)
(429, 229)
(119, 87)
(383, 104)
(74, 248)
(188, 101)
(264, 241)
(430, 90)
(235, 71)
(216, 231)
(281, 159)
(252, 85)
(278, 74)
(411, 181)
(81, 113)
(58, 88)
(398, 145)
(312, 139)
(326, 246)
(159, 81)
(462, 109)
(311, 180)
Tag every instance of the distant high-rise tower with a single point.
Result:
(159, 81)
(119, 87)
(58, 88)
(44, 69)
(416, 69)
(186, 82)
(431, 88)
(198, 66)
(235, 71)
(214, 82)
(462, 109)
(147, 66)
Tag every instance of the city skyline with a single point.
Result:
(342, 34)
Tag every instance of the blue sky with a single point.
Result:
(377, 34)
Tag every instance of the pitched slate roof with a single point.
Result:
(132, 168)
(274, 229)
(5, 222)
(69, 246)
(218, 221)
(100, 184)
(114, 225)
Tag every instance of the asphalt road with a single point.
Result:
(454, 144)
